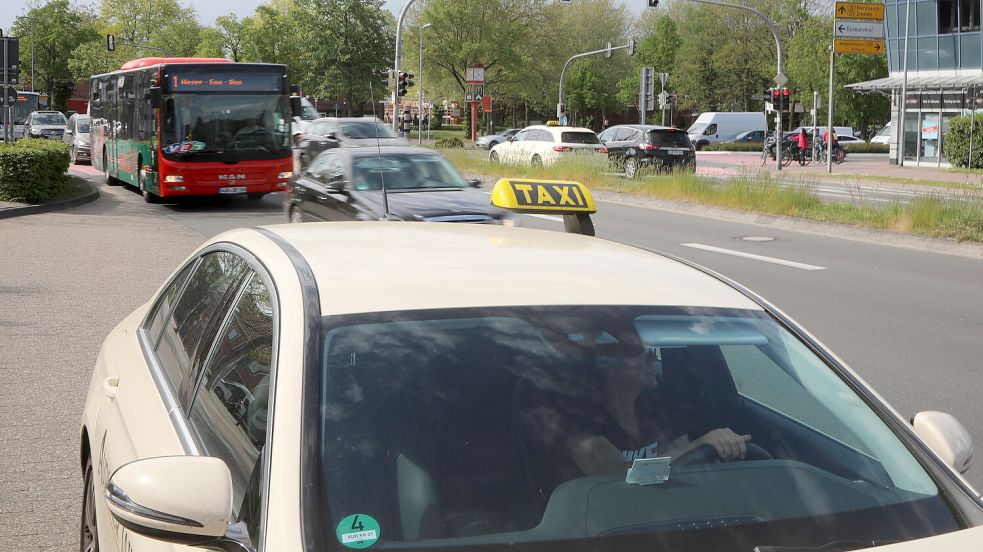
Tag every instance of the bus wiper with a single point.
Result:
(838, 546)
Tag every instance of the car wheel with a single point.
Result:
(492, 144)
(255, 196)
(537, 161)
(296, 216)
(89, 531)
(493, 157)
(631, 167)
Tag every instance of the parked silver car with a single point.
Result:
(78, 139)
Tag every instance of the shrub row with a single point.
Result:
(445, 143)
(732, 147)
(956, 142)
(32, 171)
(868, 148)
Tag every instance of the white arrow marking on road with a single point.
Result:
(773, 260)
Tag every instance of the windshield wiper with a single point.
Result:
(838, 546)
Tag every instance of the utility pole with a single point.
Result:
(397, 60)
(419, 109)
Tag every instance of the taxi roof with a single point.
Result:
(392, 266)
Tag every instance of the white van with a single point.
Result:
(883, 136)
(308, 114)
(717, 126)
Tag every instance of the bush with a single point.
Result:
(32, 171)
(956, 142)
(453, 127)
(445, 143)
(867, 148)
(732, 147)
(437, 119)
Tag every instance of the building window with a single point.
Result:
(926, 15)
(947, 52)
(928, 51)
(969, 51)
(969, 15)
(948, 16)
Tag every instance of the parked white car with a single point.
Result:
(883, 136)
(540, 145)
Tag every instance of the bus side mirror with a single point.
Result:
(295, 108)
(156, 97)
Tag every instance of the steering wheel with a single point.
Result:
(705, 454)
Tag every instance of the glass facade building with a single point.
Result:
(944, 72)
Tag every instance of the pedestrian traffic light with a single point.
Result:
(786, 99)
(384, 78)
(561, 111)
(404, 82)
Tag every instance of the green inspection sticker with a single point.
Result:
(358, 531)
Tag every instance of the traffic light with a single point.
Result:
(561, 111)
(403, 82)
(384, 78)
(786, 99)
(653, 3)
(776, 98)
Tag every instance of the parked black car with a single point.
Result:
(346, 184)
(755, 137)
(633, 147)
(335, 132)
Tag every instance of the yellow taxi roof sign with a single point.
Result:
(528, 195)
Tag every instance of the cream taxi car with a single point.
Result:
(510, 389)
(543, 145)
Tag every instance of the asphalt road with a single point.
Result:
(907, 320)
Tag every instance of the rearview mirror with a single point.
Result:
(946, 436)
(156, 97)
(331, 136)
(179, 499)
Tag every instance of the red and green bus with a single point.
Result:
(177, 127)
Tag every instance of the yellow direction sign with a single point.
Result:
(851, 46)
(858, 10)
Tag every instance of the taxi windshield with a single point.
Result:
(533, 427)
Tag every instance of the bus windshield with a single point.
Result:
(213, 127)
(26, 103)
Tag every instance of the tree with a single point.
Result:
(658, 42)
(232, 32)
(57, 31)
(273, 35)
(348, 43)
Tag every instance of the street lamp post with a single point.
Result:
(397, 60)
(419, 109)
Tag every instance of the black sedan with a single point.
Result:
(346, 184)
(335, 132)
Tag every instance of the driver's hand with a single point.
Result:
(729, 445)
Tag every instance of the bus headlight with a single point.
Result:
(284, 175)
(174, 178)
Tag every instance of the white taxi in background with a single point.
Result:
(286, 389)
(543, 145)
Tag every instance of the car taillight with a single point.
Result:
(603, 149)
(647, 147)
(559, 148)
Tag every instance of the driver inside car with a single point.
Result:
(604, 418)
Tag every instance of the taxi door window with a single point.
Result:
(194, 316)
(160, 313)
(228, 413)
(521, 136)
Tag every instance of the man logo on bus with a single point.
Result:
(231, 177)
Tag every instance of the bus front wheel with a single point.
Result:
(142, 178)
(110, 179)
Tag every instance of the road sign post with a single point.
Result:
(474, 78)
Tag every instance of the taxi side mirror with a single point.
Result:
(946, 436)
(183, 500)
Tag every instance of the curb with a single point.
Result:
(17, 211)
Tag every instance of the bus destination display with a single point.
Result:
(202, 81)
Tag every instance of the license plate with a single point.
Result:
(675, 152)
(232, 190)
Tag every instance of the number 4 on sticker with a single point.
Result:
(357, 525)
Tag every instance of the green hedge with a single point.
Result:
(732, 147)
(32, 171)
(453, 127)
(868, 148)
(956, 142)
(449, 143)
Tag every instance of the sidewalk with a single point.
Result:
(870, 167)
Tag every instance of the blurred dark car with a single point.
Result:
(335, 132)
(78, 139)
(345, 184)
(749, 137)
(634, 147)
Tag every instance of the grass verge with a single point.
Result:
(758, 193)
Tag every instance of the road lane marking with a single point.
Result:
(773, 260)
